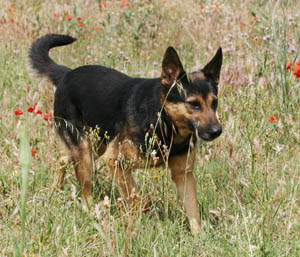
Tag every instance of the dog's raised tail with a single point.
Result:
(40, 60)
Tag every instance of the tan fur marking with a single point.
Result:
(182, 174)
(121, 157)
(113, 158)
(180, 114)
(207, 115)
(64, 159)
(82, 156)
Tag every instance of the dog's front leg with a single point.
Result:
(120, 167)
(125, 182)
(182, 174)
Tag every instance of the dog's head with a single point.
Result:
(191, 99)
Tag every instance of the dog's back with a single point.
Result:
(103, 97)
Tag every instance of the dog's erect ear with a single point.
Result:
(171, 67)
(213, 68)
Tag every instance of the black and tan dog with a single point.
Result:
(136, 118)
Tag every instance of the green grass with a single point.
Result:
(248, 179)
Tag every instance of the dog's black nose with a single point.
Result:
(210, 133)
(215, 131)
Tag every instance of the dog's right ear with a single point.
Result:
(171, 67)
(213, 68)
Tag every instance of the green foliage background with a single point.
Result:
(248, 179)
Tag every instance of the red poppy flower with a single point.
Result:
(164, 1)
(201, 7)
(102, 4)
(127, 4)
(80, 25)
(47, 116)
(30, 109)
(56, 15)
(69, 18)
(66, 14)
(18, 112)
(288, 65)
(79, 18)
(39, 112)
(0, 117)
(11, 10)
(12, 20)
(97, 27)
(272, 119)
(217, 5)
(254, 18)
(122, 5)
(296, 69)
(33, 152)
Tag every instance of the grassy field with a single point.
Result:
(248, 179)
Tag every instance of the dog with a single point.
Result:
(136, 118)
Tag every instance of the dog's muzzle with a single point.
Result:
(210, 133)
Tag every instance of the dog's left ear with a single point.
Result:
(171, 67)
(213, 68)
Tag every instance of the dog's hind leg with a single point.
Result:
(83, 160)
(64, 159)
(80, 153)
(182, 174)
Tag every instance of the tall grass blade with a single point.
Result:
(25, 160)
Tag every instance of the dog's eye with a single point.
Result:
(195, 105)
(214, 104)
